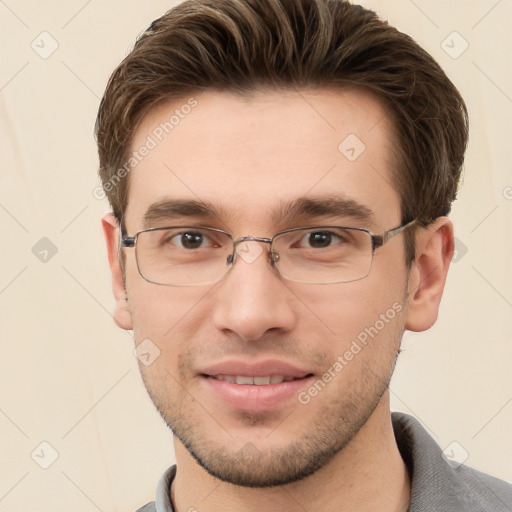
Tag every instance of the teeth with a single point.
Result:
(244, 380)
(256, 381)
(261, 381)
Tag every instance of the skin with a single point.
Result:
(244, 156)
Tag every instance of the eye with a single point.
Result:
(319, 239)
(190, 240)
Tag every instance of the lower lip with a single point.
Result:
(247, 397)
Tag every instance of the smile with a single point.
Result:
(253, 385)
(254, 381)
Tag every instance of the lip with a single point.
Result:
(263, 368)
(250, 397)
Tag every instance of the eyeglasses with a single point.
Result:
(193, 256)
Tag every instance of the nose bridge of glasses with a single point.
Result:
(242, 239)
(252, 239)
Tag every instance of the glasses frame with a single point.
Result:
(126, 241)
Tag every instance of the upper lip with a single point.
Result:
(264, 368)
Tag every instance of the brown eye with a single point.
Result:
(319, 239)
(189, 240)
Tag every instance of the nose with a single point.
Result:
(253, 299)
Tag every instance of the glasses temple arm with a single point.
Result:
(379, 240)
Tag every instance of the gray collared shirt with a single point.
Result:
(436, 484)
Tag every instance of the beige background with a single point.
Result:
(68, 376)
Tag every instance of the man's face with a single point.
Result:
(247, 158)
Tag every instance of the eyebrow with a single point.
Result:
(301, 209)
(306, 208)
(168, 209)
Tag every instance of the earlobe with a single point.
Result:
(122, 314)
(427, 278)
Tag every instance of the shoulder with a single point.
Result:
(148, 507)
(438, 483)
(483, 490)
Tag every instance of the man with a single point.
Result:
(280, 174)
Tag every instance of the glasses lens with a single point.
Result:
(183, 256)
(324, 255)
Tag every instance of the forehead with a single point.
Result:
(247, 155)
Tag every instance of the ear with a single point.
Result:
(434, 251)
(122, 314)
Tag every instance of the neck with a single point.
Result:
(367, 475)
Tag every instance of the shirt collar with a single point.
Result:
(163, 491)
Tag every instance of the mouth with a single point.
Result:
(246, 380)
(254, 387)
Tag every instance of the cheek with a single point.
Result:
(162, 311)
(342, 312)
(164, 322)
(367, 335)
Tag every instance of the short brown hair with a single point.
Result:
(242, 46)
